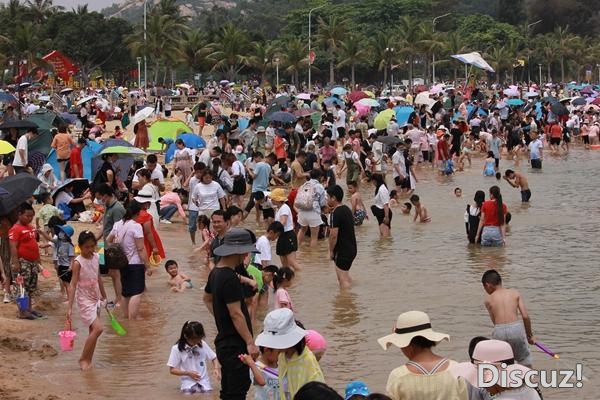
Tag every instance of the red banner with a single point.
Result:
(63, 66)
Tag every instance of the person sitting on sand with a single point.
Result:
(178, 282)
(420, 210)
(504, 306)
(518, 180)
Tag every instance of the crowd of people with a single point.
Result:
(301, 180)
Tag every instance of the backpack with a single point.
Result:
(305, 197)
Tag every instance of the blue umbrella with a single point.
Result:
(70, 118)
(190, 140)
(340, 91)
(515, 102)
(7, 98)
(333, 100)
(402, 114)
(281, 116)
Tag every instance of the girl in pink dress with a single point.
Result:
(87, 289)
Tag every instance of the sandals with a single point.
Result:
(29, 316)
(36, 314)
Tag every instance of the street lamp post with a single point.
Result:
(145, 49)
(309, 43)
(390, 52)
(433, 53)
(276, 60)
(598, 66)
(139, 61)
(540, 71)
(529, 50)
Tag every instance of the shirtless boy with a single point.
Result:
(518, 180)
(504, 305)
(420, 210)
(178, 282)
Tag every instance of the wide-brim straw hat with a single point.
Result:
(409, 325)
(187, 109)
(279, 194)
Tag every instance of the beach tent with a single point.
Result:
(45, 120)
(165, 128)
(87, 154)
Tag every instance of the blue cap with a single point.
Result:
(67, 229)
(356, 388)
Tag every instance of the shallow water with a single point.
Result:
(550, 258)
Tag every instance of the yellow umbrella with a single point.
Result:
(369, 93)
(6, 147)
(383, 118)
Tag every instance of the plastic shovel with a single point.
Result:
(119, 330)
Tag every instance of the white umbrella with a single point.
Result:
(436, 89)
(66, 91)
(511, 92)
(303, 96)
(369, 102)
(85, 100)
(423, 98)
(142, 115)
(184, 86)
(531, 94)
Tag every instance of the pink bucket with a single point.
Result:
(67, 340)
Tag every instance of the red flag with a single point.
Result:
(63, 66)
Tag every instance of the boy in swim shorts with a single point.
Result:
(504, 306)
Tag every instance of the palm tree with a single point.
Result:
(409, 36)
(229, 51)
(500, 59)
(41, 9)
(329, 35)
(295, 57)
(430, 43)
(547, 51)
(261, 57)
(191, 50)
(380, 45)
(453, 43)
(564, 41)
(352, 52)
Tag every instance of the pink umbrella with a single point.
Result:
(362, 109)
(436, 89)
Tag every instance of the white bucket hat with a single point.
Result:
(408, 325)
(280, 330)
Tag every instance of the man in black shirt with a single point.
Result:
(342, 240)
(224, 298)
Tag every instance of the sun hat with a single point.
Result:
(187, 109)
(98, 121)
(260, 129)
(236, 241)
(408, 325)
(279, 194)
(356, 388)
(489, 352)
(67, 230)
(315, 341)
(145, 195)
(280, 330)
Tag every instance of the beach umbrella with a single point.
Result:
(357, 95)
(36, 159)
(66, 91)
(190, 140)
(389, 140)
(281, 101)
(566, 99)
(24, 85)
(383, 118)
(184, 86)
(18, 124)
(44, 98)
(141, 115)
(591, 107)
(559, 109)
(578, 101)
(369, 93)
(340, 91)
(6, 147)
(80, 185)
(223, 82)
(550, 99)
(334, 100)
(85, 100)
(530, 106)
(303, 112)
(515, 102)
(511, 92)
(122, 150)
(531, 94)
(596, 101)
(402, 114)
(282, 116)
(369, 102)
(423, 98)
(436, 89)
(303, 96)
(121, 165)
(362, 110)
(7, 98)
(399, 98)
(20, 187)
(587, 90)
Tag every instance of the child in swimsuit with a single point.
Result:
(420, 210)
(178, 282)
(358, 207)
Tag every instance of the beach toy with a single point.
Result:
(67, 337)
(155, 260)
(77, 249)
(45, 273)
(115, 324)
(546, 350)
(23, 302)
